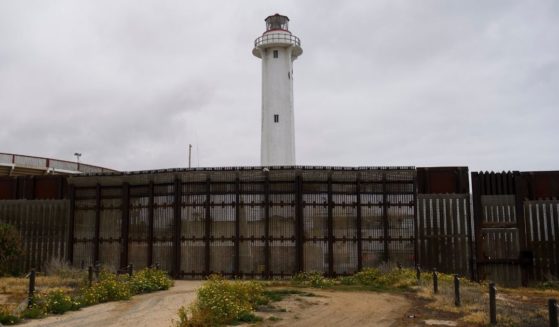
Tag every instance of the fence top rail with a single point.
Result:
(248, 174)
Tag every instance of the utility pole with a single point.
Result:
(189, 155)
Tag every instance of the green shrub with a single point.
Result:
(36, 311)
(110, 287)
(221, 302)
(58, 302)
(7, 317)
(312, 279)
(374, 278)
(10, 249)
(150, 280)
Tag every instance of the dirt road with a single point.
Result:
(326, 308)
(153, 310)
(343, 309)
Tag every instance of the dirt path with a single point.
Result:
(326, 308)
(343, 309)
(153, 310)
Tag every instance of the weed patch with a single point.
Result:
(221, 302)
(57, 300)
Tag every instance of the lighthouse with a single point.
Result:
(277, 48)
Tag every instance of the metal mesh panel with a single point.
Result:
(401, 229)
(372, 225)
(345, 216)
(316, 255)
(252, 257)
(163, 227)
(110, 232)
(373, 252)
(193, 221)
(223, 215)
(315, 216)
(345, 257)
(84, 231)
(138, 232)
(282, 216)
(222, 254)
(192, 257)
(251, 218)
(162, 254)
(282, 259)
(109, 254)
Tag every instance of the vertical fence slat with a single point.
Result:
(96, 238)
(359, 224)
(330, 227)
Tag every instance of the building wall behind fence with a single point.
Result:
(43, 226)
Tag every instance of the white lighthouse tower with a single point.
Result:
(277, 48)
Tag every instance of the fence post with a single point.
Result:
(97, 269)
(90, 275)
(418, 273)
(492, 303)
(31, 288)
(552, 305)
(435, 281)
(457, 300)
(130, 270)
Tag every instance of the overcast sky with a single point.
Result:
(130, 84)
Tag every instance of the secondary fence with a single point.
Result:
(445, 233)
(43, 225)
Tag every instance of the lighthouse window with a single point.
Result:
(276, 118)
(276, 53)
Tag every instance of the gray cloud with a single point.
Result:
(131, 83)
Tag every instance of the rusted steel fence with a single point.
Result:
(43, 225)
(247, 222)
(445, 233)
(516, 225)
(265, 223)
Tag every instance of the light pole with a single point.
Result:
(78, 155)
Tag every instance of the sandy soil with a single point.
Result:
(326, 308)
(334, 308)
(154, 310)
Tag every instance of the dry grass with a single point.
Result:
(515, 307)
(16, 287)
(13, 290)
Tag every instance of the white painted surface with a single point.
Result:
(278, 138)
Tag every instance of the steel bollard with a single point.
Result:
(492, 303)
(31, 288)
(97, 269)
(435, 281)
(552, 306)
(90, 275)
(418, 273)
(457, 299)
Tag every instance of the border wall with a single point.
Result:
(250, 222)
